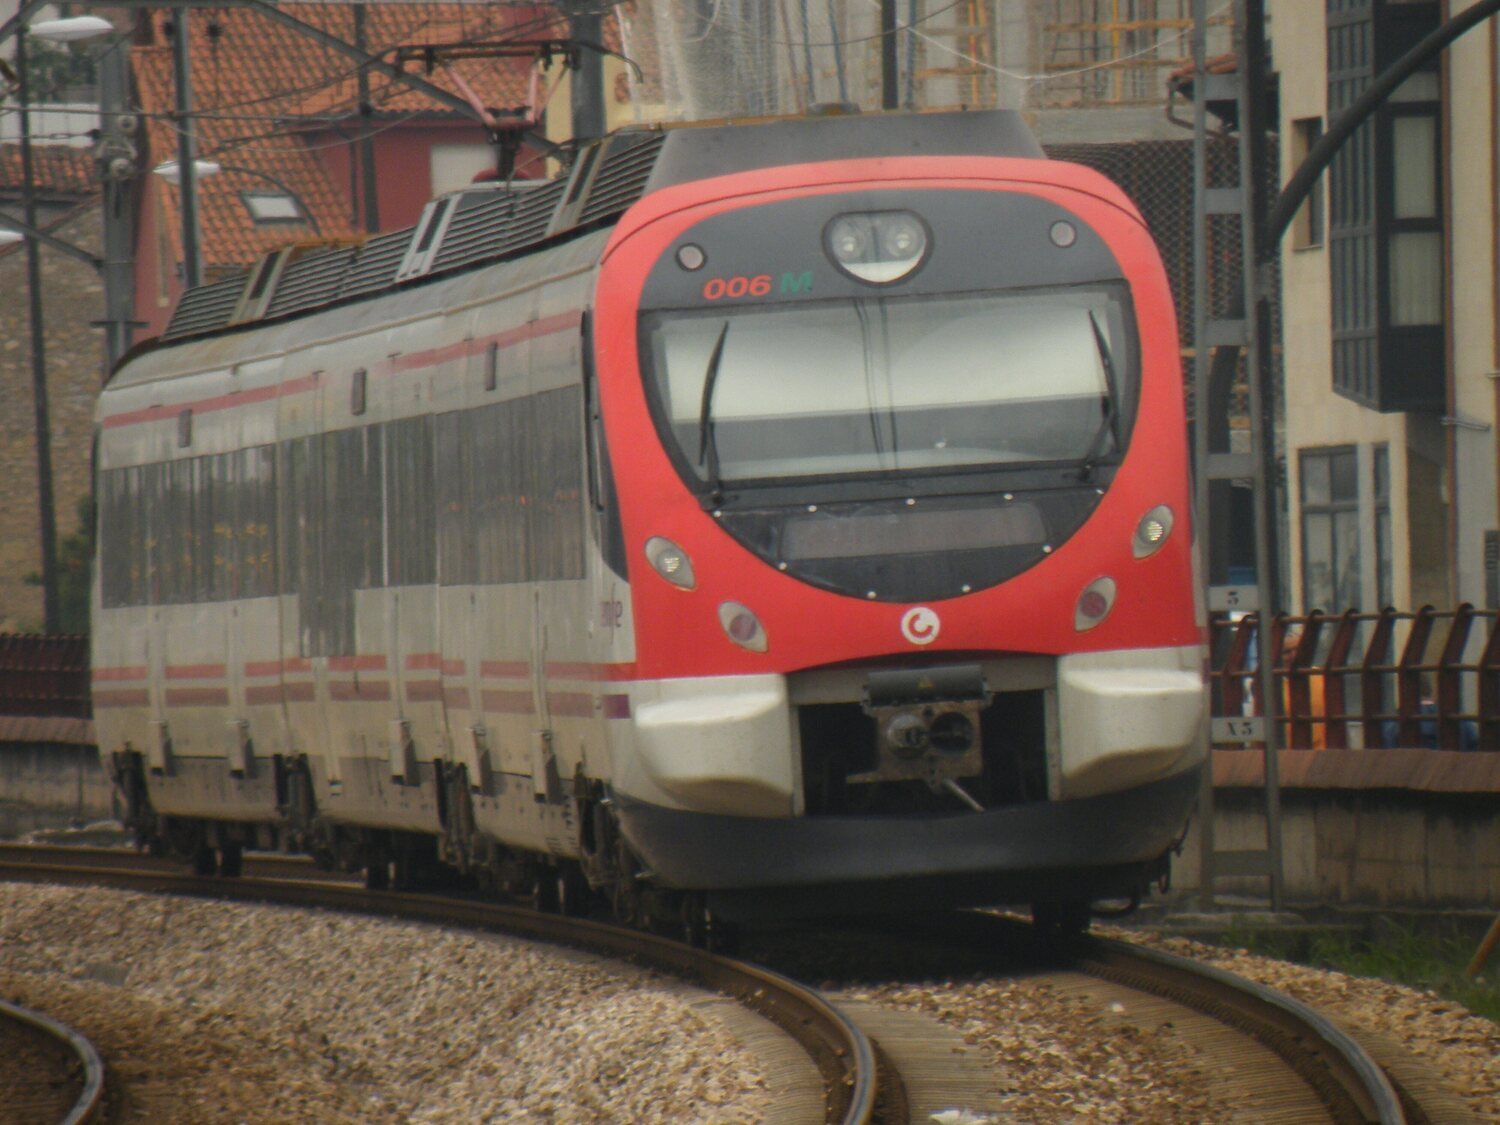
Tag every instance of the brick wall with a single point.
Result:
(73, 296)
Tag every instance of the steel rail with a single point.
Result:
(1338, 1069)
(90, 1098)
(1353, 1084)
(844, 1056)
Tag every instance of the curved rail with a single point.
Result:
(1342, 1073)
(1353, 1084)
(844, 1056)
(89, 1100)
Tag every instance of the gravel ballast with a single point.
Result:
(230, 1012)
(212, 1011)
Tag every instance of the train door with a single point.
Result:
(300, 520)
(409, 606)
(257, 726)
(192, 624)
(564, 672)
(488, 612)
(472, 389)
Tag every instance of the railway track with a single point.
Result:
(1290, 1062)
(1299, 1065)
(854, 1087)
(48, 1071)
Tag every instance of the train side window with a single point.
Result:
(410, 506)
(184, 428)
(357, 393)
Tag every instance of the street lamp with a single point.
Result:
(64, 30)
(171, 171)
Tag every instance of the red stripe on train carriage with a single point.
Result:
(507, 702)
(115, 675)
(571, 704)
(371, 662)
(349, 691)
(462, 349)
(217, 402)
(617, 706)
(121, 697)
(424, 691)
(546, 326)
(196, 671)
(197, 697)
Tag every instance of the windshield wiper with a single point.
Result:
(708, 448)
(1109, 424)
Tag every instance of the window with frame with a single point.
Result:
(1330, 529)
(1385, 213)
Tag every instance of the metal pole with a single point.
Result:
(890, 79)
(117, 170)
(588, 80)
(51, 615)
(1251, 46)
(187, 152)
(368, 197)
(1202, 409)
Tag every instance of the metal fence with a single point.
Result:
(1372, 680)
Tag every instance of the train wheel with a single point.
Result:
(232, 860)
(204, 860)
(546, 891)
(574, 895)
(694, 921)
(625, 897)
(377, 866)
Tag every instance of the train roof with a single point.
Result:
(485, 223)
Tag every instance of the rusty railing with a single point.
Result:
(1343, 682)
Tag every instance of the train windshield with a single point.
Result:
(898, 384)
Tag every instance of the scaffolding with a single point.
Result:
(1112, 52)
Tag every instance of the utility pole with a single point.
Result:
(890, 77)
(51, 612)
(117, 170)
(368, 198)
(586, 25)
(187, 151)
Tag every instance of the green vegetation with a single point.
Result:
(1429, 954)
(54, 71)
(74, 557)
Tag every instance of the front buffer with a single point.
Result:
(728, 796)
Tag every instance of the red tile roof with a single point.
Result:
(55, 170)
(258, 86)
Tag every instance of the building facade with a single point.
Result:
(1390, 325)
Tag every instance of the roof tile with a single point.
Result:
(258, 86)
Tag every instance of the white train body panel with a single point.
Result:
(484, 674)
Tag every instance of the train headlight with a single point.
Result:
(670, 561)
(877, 247)
(742, 627)
(1094, 604)
(1153, 530)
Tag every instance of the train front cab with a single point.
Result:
(906, 511)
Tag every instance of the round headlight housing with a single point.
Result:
(1151, 532)
(877, 247)
(671, 562)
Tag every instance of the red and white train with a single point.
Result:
(777, 517)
